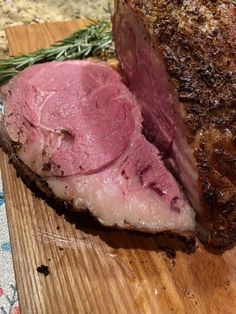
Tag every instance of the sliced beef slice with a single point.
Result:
(76, 127)
(178, 58)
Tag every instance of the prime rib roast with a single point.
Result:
(178, 57)
(73, 130)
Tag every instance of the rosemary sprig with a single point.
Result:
(94, 40)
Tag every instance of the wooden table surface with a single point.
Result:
(98, 270)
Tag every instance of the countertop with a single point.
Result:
(13, 12)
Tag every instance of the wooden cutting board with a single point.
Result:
(98, 270)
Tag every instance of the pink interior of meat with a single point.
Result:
(80, 128)
(75, 119)
(147, 77)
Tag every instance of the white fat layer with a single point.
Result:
(115, 201)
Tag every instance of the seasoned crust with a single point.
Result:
(218, 172)
(197, 40)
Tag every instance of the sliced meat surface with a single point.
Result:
(44, 110)
(178, 58)
(76, 126)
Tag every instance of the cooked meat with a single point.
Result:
(76, 127)
(178, 57)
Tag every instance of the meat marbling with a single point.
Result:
(178, 57)
(77, 127)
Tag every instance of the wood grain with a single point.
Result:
(97, 270)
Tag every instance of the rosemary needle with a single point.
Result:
(94, 40)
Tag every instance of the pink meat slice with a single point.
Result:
(76, 136)
(79, 128)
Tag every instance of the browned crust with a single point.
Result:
(198, 44)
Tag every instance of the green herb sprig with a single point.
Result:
(95, 40)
